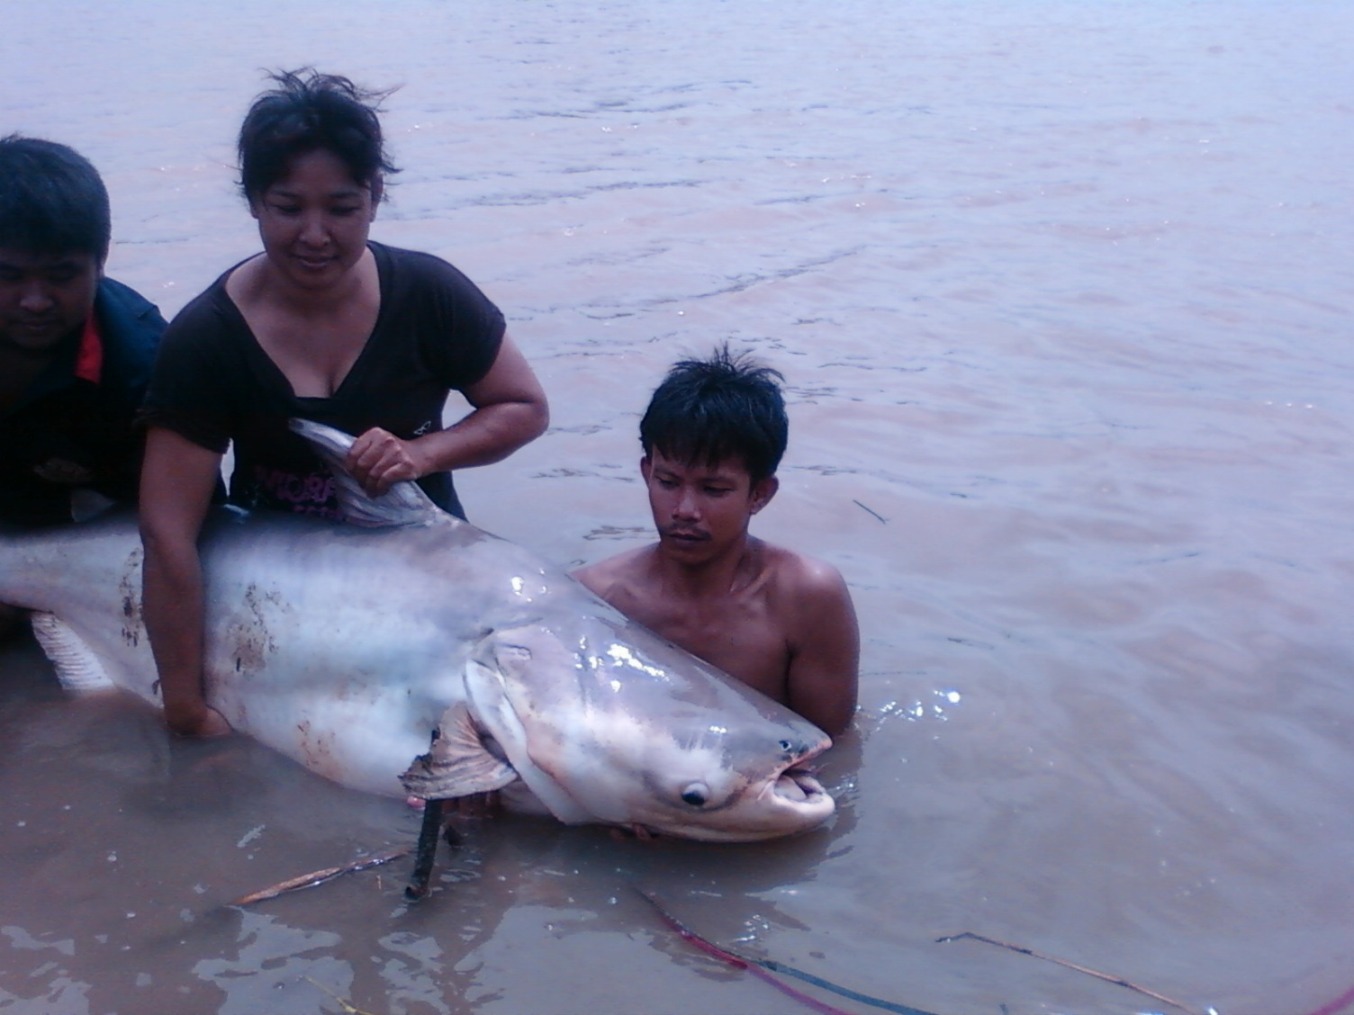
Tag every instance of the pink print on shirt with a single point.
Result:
(309, 494)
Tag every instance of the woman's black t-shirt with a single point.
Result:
(215, 386)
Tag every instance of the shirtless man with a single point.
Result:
(777, 620)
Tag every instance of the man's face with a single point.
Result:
(44, 297)
(700, 510)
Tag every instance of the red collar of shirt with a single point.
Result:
(89, 357)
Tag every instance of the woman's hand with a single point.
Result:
(177, 481)
(378, 460)
(509, 409)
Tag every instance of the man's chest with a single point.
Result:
(741, 637)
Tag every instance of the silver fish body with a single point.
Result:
(344, 646)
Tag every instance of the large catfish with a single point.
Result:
(344, 645)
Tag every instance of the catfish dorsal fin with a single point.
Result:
(403, 504)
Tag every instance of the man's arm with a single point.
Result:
(177, 481)
(825, 652)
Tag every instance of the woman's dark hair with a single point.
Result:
(306, 112)
(52, 200)
(727, 406)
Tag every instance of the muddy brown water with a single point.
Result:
(1062, 295)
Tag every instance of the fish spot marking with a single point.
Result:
(129, 590)
(317, 750)
(249, 637)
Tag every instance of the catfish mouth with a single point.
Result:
(786, 803)
(792, 799)
(799, 786)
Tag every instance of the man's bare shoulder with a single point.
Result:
(624, 570)
(809, 602)
(807, 579)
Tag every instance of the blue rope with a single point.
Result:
(818, 981)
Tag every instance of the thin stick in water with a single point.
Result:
(426, 853)
(1107, 977)
(349, 1009)
(318, 877)
(882, 519)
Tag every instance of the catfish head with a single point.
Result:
(616, 726)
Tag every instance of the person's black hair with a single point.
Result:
(52, 200)
(306, 112)
(726, 406)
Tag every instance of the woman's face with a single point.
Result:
(314, 221)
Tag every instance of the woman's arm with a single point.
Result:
(510, 410)
(177, 481)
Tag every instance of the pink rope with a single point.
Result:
(710, 948)
(1338, 1005)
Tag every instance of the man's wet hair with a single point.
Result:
(709, 410)
(52, 200)
(308, 111)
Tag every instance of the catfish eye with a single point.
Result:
(785, 745)
(696, 794)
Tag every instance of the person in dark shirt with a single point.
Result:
(323, 324)
(76, 348)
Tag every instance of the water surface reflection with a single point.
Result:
(1061, 292)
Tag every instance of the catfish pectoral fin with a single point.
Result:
(459, 763)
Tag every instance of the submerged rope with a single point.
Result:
(1338, 1005)
(759, 967)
